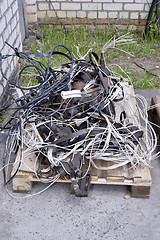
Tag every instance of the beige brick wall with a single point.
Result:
(32, 11)
(116, 9)
(10, 32)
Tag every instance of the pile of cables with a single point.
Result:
(69, 119)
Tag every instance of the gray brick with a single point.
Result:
(5, 51)
(31, 1)
(20, 45)
(102, 1)
(17, 16)
(143, 1)
(147, 7)
(11, 40)
(70, 6)
(51, 14)
(133, 7)
(71, 14)
(113, 14)
(102, 15)
(134, 15)
(124, 1)
(14, 7)
(31, 9)
(14, 34)
(32, 18)
(1, 88)
(7, 33)
(92, 15)
(10, 2)
(8, 15)
(13, 22)
(18, 28)
(1, 43)
(4, 6)
(61, 14)
(40, 14)
(143, 15)
(18, 42)
(55, 6)
(43, 6)
(2, 25)
(9, 71)
(90, 7)
(81, 1)
(112, 6)
(81, 14)
(123, 15)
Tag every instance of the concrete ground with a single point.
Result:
(105, 214)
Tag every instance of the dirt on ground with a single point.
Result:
(139, 65)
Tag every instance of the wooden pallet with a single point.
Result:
(139, 180)
(156, 111)
(139, 185)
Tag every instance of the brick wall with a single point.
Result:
(114, 11)
(10, 32)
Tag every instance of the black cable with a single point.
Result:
(155, 5)
(28, 107)
(15, 126)
(41, 93)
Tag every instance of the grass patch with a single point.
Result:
(139, 80)
(80, 40)
(145, 81)
(2, 116)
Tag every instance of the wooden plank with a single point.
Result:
(115, 179)
(140, 191)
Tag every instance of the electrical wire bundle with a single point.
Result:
(75, 117)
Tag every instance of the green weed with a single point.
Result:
(80, 40)
(2, 116)
(139, 80)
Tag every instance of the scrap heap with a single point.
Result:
(75, 117)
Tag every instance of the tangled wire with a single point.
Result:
(75, 117)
